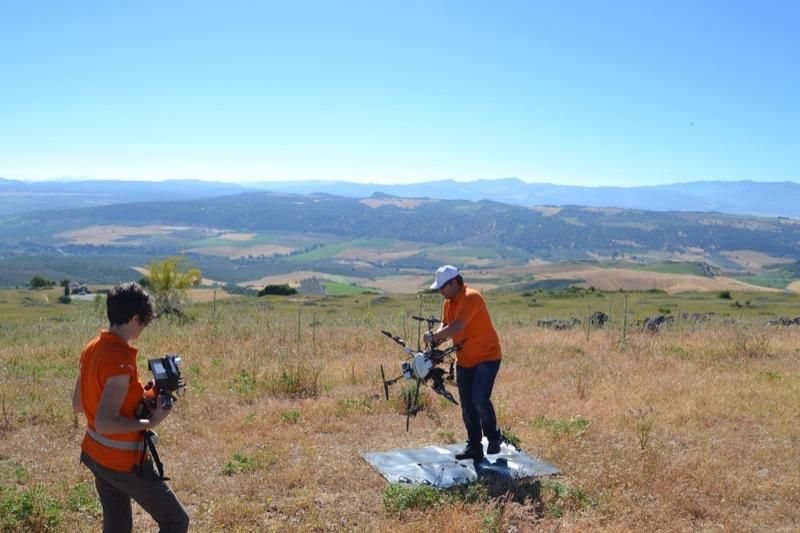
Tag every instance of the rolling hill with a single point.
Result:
(242, 237)
(732, 197)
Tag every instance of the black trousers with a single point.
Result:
(474, 390)
(116, 489)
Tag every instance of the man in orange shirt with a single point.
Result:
(108, 392)
(466, 318)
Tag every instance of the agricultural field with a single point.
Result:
(690, 428)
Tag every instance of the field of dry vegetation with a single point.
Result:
(692, 428)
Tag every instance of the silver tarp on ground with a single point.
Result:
(437, 466)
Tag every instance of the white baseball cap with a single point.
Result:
(443, 275)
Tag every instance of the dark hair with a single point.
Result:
(127, 300)
(459, 281)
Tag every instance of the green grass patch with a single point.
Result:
(320, 254)
(775, 280)
(558, 427)
(241, 463)
(28, 509)
(244, 383)
(559, 497)
(345, 406)
(770, 375)
(292, 416)
(674, 268)
(82, 498)
(398, 497)
(335, 288)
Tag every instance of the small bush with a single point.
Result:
(244, 383)
(240, 463)
(280, 290)
(559, 497)
(468, 493)
(299, 379)
(724, 295)
(770, 375)
(290, 417)
(398, 497)
(511, 438)
(447, 436)
(490, 520)
(644, 420)
(406, 399)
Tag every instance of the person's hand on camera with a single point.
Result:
(159, 413)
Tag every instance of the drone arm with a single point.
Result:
(395, 338)
(447, 331)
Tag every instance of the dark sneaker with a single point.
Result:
(470, 453)
(493, 447)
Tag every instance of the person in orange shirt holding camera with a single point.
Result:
(465, 317)
(108, 391)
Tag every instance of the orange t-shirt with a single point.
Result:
(105, 357)
(482, 344)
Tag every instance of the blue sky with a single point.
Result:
(568, 92)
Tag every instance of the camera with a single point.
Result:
(167, 385)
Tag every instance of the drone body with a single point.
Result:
(422, 365)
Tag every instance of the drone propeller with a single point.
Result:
(387, 382)
(437, 377)
(444, 393)
(431, 320)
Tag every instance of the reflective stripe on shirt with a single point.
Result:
(132, 446)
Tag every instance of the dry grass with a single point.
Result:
(680, 431)
(613, 279)
(101, 235)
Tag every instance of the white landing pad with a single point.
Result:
(437, 466)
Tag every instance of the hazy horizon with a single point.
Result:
(68, 179)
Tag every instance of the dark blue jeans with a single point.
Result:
(474, 389)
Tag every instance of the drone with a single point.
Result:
(424, 367)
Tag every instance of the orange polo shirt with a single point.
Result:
(482, 344)
(105, 357)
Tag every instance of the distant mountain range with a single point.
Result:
(240, 237)
(22, 196)
(737, 197)
(554, 234)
